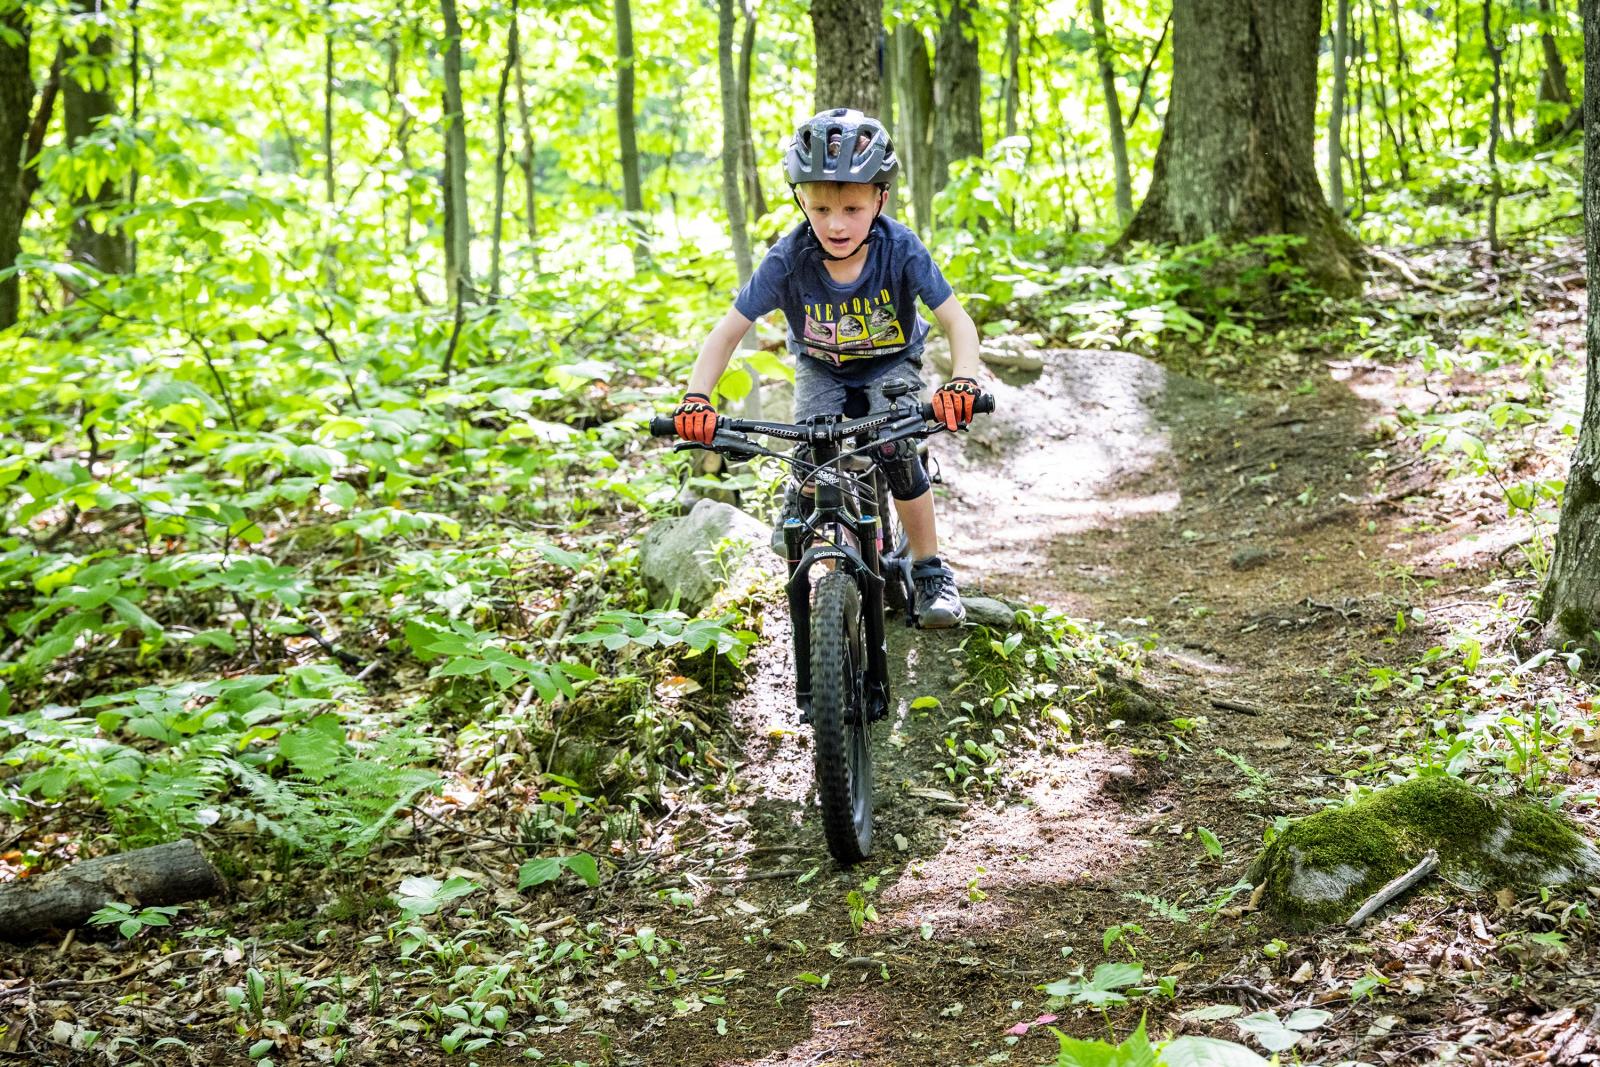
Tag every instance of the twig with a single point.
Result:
(1227, 704)
(1429, 864)
(759, 876)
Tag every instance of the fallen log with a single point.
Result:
(174, 873)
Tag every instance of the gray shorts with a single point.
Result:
(818, 391)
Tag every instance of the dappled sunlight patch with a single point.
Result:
(1061, 831)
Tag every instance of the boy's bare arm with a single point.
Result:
(716, 352)
(962, 333)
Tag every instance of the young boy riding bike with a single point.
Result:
(847, 281)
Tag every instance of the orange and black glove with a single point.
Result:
(695, 420)
(952, 404)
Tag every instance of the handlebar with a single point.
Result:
(662, 425)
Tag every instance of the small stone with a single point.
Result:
(1247, 559)
(1121, 771)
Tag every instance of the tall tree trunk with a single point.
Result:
(957, 84)
(731, 201)
(530, 176)
(458, 222)
(499, 219)
(846, 35)
(1495, 52)
(1341, 48)
(327, 106)
(1108, 86)
(84, 109)
(1553, 85)
(1380, 95)
(135, 58)
(1013, 67)
(632, 192)
(1569, 606)
(1404, 77)
(914, 140)
(754, 198)
(16, 98)
(1236, 156)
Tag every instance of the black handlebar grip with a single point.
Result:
(662, 426)
(983, 405)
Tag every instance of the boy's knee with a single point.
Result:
(908, 478)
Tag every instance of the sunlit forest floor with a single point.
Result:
(1296, 557)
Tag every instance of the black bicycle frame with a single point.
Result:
(861, 559)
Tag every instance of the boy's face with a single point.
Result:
(840, 212)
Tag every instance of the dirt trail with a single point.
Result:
(1233, 529)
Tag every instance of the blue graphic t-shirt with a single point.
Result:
(847, 326)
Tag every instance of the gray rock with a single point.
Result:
(715, 546)
(987, 611)
(1248, 559)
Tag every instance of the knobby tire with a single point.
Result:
(843, 742)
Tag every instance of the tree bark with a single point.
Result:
(1341, 49)
(1495, 53)
(64, 899)
(530, 175)
(846, 34)
(628, 144)
(16, 98)
(914, 140)
(754, 198)
(957, 82)
(732, 202)
(84, 109)
(1108, 86)
(498, 221)
(1013, 66)
(458, 221)
(1553, 85)
(1569, 606)
(1236, 157)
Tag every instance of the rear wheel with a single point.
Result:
(843, 739)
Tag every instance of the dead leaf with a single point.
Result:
(1505, 899)
(1304, 974)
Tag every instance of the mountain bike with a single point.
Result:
(849, 542)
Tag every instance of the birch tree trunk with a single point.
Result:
(957, 84)
(1108, 86)
(1569, 606)
(632, 193)
(1236, 157)
(846, 35)
(1341, 48)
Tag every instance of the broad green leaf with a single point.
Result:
(1208, 1052)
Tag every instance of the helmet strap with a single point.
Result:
(872, 227)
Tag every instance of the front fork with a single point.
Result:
(865, 565)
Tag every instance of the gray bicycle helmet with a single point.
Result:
(824, 150)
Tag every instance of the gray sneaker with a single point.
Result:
(938, 601)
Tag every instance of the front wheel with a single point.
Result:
(839, 718)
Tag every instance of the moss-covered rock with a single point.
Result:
(1323, 867)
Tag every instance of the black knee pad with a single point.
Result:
(908, 479)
